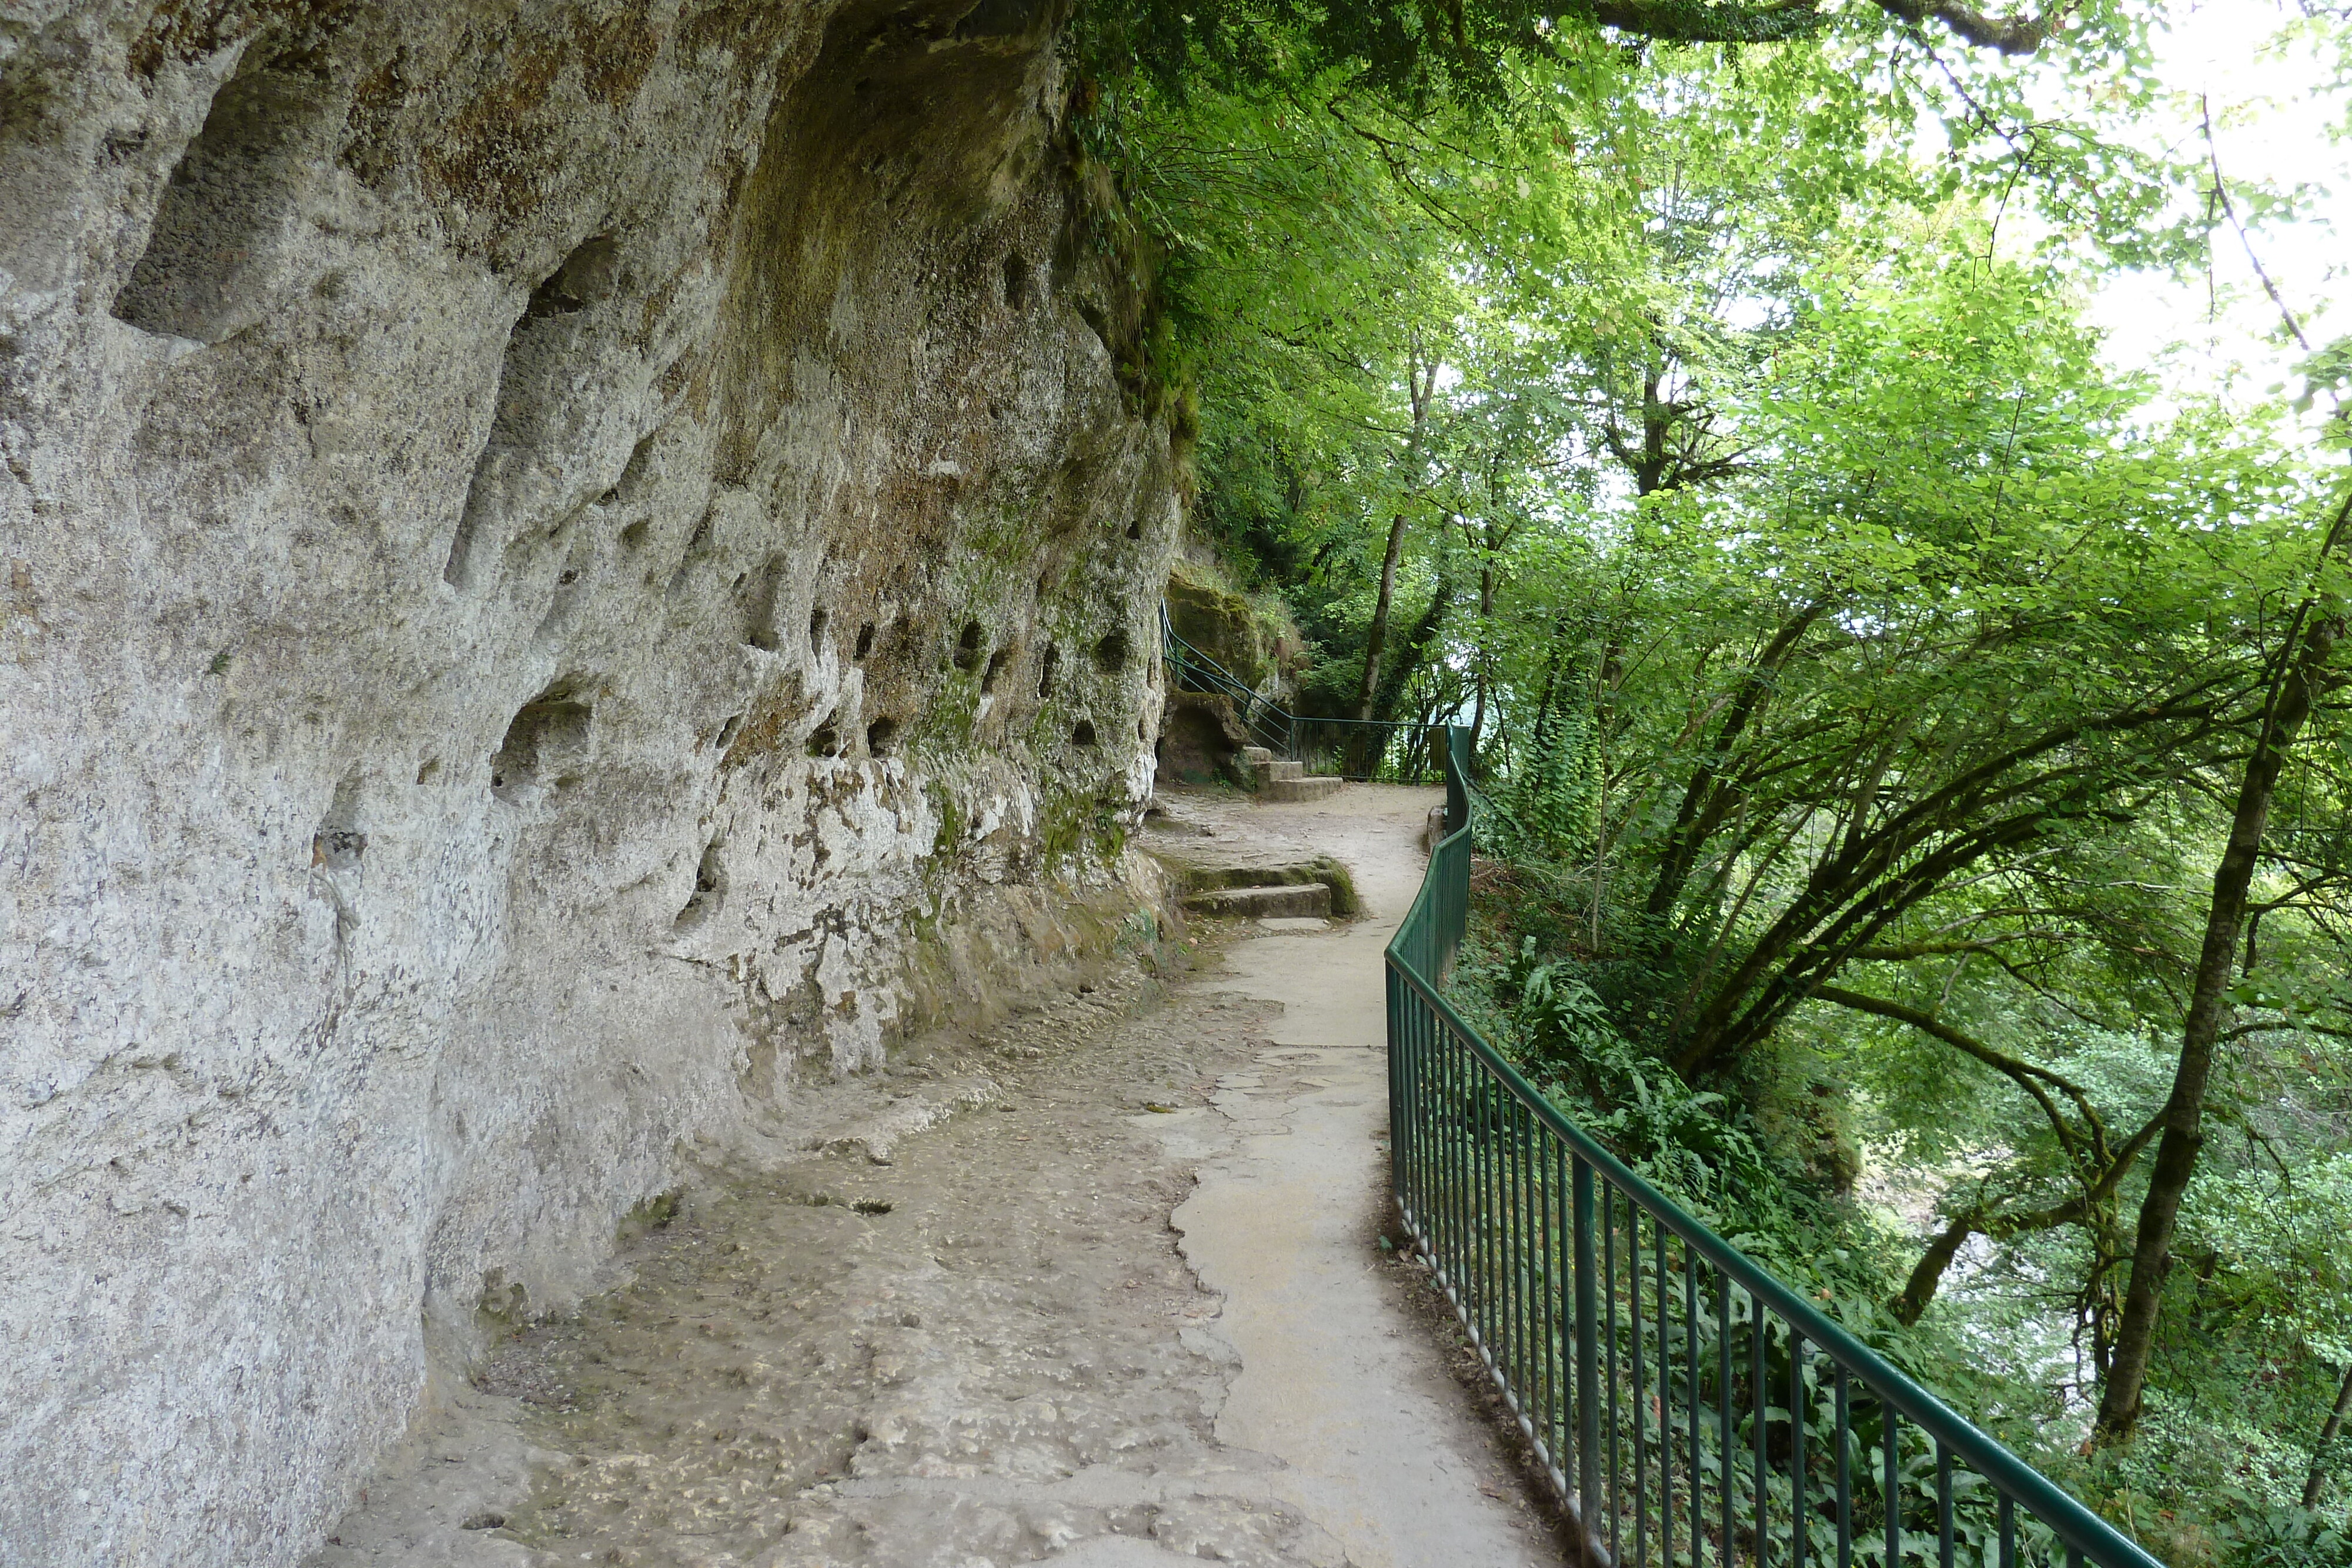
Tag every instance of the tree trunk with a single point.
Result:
(2184, 1111)
(2318, 1476)
(1378, 634)
(1485, 614)
(1920, 1289)
(1420, 380)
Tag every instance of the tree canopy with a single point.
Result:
(1916, 752)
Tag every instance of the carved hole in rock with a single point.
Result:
(633, 474)
(338, 843)
(969, 645)
(1017, 281)
(1111, 653)
(697, 544)
(1135, 529)
(996, 663)
(585, 278)
(709, 889)
(879, 736)
(826, 739)
(546, 745)
(1083, 733)
(727, 732)
(533, 392)
(216, 222)
(865, 641)
(1046, 668)
(760, 628)
(816, 630)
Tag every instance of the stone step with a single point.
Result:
(1256, 756)
(1315, 786)
(1308, 898)
(1278, 767)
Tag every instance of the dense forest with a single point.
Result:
(1915, 750)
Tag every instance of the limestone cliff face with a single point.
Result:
(568, 564)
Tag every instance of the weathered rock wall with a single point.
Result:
(567, 564)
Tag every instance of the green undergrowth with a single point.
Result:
(1753, 1178)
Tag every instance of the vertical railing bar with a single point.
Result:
(1506, 1214)
(1760, 1396)
(1450, 1071)
(1522, 1282)
(1723, 1413)
(2008, 1531)
(1588, 1390)
(1844, 1471)
(1893, 1496)
(1640, 1393)
(1690, 1363)
(1666, 1406)
(1616, 1419)
(1532, 1285)
(1490, 1178)
(1563, 1313)
(1943, 1504)
(1796, 1447)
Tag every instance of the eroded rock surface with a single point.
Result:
(567, 567)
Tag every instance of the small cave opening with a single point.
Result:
(880, 736)
(545, 745)
(533, 394)
(1047, 667)
(1017, 281)
(585, 277)
(824, 740)
(759, 628)
(864, 641)
(634, 475)
(1135, 529)
(339, 842)
(997, 663)
(817, 619)
(1083, 733)
(709, 889)
(1111, 653)
(223, 208)
(728, 731)
(970, 645)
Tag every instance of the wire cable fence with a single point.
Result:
(1688, 1407)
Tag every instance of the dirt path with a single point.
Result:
(1121, 1305)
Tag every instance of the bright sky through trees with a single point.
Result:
(2278, 111)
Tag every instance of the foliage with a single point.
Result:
(1862, 671)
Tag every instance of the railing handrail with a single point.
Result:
(1225, 682)
(2075, 1524)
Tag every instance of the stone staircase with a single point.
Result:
(1279, 780)
(1310, 900)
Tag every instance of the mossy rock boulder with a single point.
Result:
(1227, 628)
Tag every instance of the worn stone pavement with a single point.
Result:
(1115, 1300)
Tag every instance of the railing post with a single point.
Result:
(1588, 1353)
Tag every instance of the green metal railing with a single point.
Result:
(1685, 1403)
(1353, 748)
